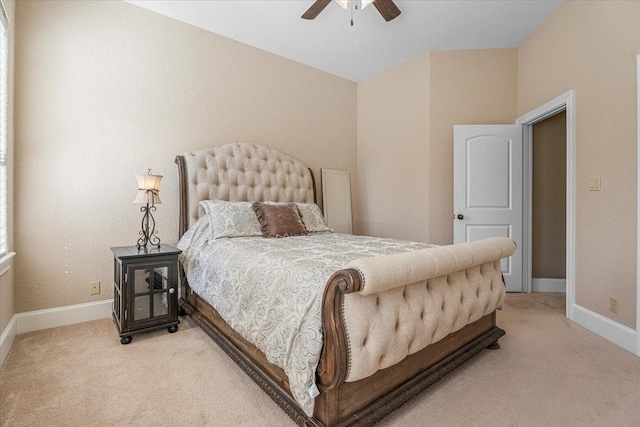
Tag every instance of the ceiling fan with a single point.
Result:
(387, 8)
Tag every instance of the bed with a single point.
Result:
(388, 324)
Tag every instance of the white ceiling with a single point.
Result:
(371, 45)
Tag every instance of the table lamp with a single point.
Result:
(148, 189)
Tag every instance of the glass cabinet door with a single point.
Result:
(116, 308)
(149, 285)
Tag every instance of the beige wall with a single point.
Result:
(105, 90)
(591, 47)
(7, 280)
(393, 152)
(549, 198)
(467, 87)
(405, 136)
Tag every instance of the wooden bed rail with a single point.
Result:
(183, 220)
(333, 364)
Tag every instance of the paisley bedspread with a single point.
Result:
(270, 290)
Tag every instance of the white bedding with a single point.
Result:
(270, 290)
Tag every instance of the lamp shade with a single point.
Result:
(149, 182)
(150, 196)
(148, 188)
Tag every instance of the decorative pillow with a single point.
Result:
(313, 219)
(231, 219)
(279, 219)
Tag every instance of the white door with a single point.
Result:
(487, 195)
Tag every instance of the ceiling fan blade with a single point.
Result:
(315, 9)
(387, 9)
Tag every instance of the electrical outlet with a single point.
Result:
(95, 288)
(613, 304)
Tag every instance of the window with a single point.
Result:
(4, 126)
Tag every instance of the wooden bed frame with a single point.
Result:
(340, 403)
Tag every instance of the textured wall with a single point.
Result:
(105, 90)
(467, 87)
(405, 136)
(591, 47)
(549, 208)
(393, 152)
(7, 280)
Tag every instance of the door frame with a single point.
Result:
(638, 213)
(564, 102)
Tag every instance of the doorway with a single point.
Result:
(548, 207)
(564, 103)
(548, 222)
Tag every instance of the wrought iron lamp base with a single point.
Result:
(148, 234)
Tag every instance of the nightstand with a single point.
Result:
(145, 294)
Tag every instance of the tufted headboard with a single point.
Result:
(240, 172)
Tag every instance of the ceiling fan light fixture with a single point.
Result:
(366, 3)
(343, 3)
(387, 8)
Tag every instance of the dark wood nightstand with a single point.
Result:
(145, 294)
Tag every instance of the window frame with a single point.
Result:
(5, 182)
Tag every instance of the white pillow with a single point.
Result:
(312, 218)
(231, 219)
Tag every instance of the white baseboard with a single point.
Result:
(615, 332)
(51, 318)
(6, 339)
(60, 316)
(548, 285)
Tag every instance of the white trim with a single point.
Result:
(7, 337)
(638, 213)
(615, 332)
(565, 102)
(61, 316)
(548, 285)
(5, 262)
(527, 208)
(4, 11)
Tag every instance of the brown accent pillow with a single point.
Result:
(279, 219)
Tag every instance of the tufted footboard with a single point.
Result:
(380, 310)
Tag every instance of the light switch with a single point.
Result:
(594, 183)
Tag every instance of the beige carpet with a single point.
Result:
(549, 372)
